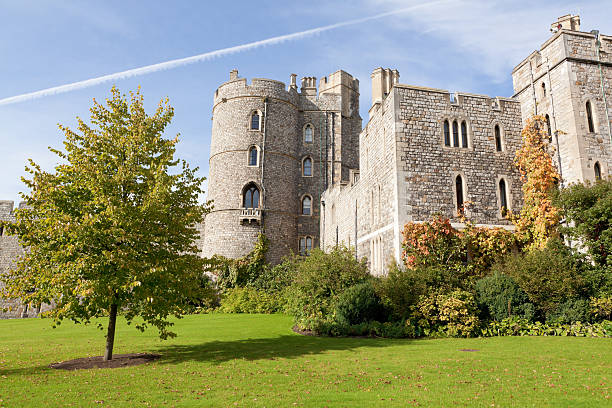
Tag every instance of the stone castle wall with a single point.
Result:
(408, 174)
(282, 149)
(557, 81)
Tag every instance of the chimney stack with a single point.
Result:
(233, 74)
(383, 80)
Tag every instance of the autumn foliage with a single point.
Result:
(539, 218)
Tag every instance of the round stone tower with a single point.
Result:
(253, 168)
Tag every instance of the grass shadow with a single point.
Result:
(286, 346)
(34, 370)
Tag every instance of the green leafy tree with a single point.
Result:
(112, 229)
(588, 211)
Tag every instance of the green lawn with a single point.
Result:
(256, 360)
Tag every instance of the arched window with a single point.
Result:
(333, 214)
(464, 135)
(307, 167)
(255, 121)
(308, 133)
(459, 194)
(306, 205)
(503, 197)
(498, 139)
(250, 196)
(589, 113)
(305, 245)
(597, 169)
(543, 89)
(455, 134)
(548, 128)
(446, 133)
(253, 154)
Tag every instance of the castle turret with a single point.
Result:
(273, 153)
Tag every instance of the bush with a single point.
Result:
(499, 297)
(397, 329)
(275, 278)
(601, 308)
(516, 326)
(318, 281)
(549, 276)
(249, 300)
(359, 304)
(454, 314)
(400, 290)
(570, 311)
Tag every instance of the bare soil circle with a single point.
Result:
(119, 360)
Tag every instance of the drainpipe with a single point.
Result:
(601, 80)
(535, 102)
(552, 104)
(263, 154)
(356, 258)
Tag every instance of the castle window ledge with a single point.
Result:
(250, 215)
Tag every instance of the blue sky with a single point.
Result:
(468, 46)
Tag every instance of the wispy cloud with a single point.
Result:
(209, 55)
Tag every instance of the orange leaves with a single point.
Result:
(539, 218)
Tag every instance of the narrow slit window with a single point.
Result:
(543, 89)
(498, 141)
(251, 197)
(464, 135)
(308, 134)
(459, 193)
(307, 167)
(446, 133)
(589, 113)
(306, 205)
(455, 134)
(597, 169)
(548, 128)
(255, 121)
(253, 156)
(503, 198)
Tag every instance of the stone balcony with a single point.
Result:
(250, 215)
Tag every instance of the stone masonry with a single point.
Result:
(365, 184)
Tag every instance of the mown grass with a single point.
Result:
(256, 360)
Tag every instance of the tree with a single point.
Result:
(112, 229)
(588, 211)
(539, 218)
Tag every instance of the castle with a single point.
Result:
(298, 166)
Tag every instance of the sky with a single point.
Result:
(467, 46)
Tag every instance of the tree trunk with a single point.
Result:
(110, 334)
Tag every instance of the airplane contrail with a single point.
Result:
(202, 57)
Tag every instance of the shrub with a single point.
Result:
(549, 276)
(358, 304)
(400, 290)
(397, 329)
(231, 273)
(454, 314)
(517, 326)
(601, 308)
(499, 297)
(275, 278)
(587, 208)
(570, 311)
(318, 281)
(250, 300)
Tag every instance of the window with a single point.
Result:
(589, 113)
(464, 135)
(459, 194)
(253, 155)
(308, 133)
(306, 205)
(597, 169)
(250, 197)
(305, 245)
(498, 139)
(455, 134)
(548, 128)
(333, 214)
(543, 89)
(255, 121)
(446, 133)
(307, 167)
(503, 198)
